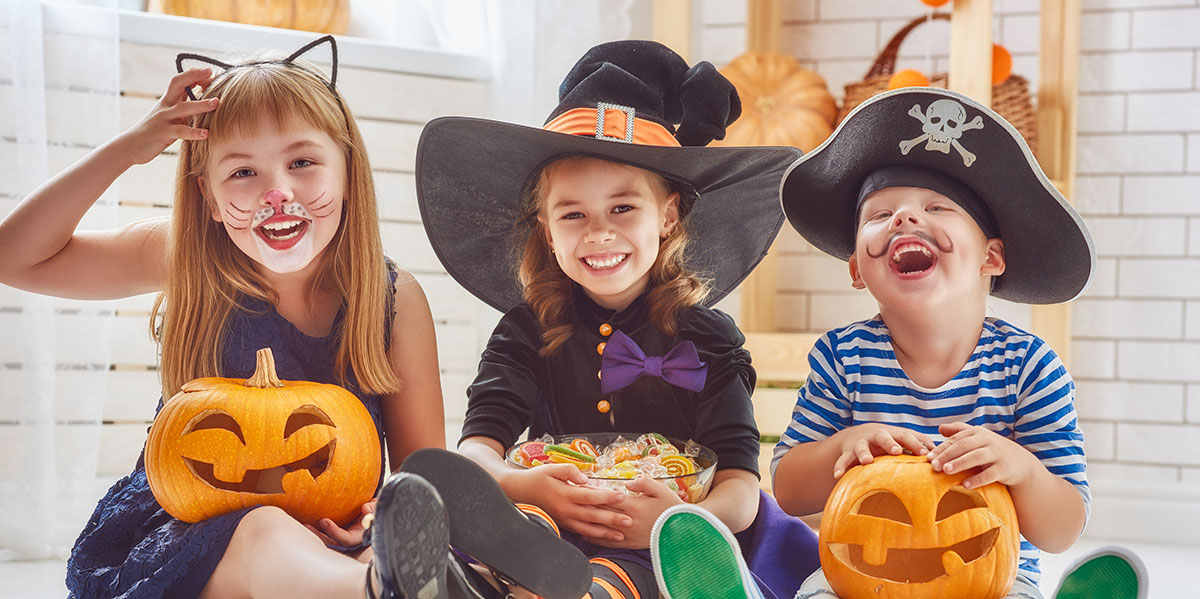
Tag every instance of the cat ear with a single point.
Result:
(333, 56)
(187, 60)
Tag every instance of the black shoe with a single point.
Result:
(410, 536)
(487, 526)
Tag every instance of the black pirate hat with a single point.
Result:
(633, 102)
(953, 139)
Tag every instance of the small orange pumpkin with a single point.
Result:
(896, 529)
(322, 16)
(908, 78)
(223, 444)
(783, 104)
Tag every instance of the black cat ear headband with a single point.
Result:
(331, 82)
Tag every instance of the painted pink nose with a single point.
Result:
(276, 199)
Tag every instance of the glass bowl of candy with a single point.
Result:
(611, 460)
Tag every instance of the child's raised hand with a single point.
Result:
(997, 459)
(861, 443)
(168, 120)
(649, 500)
(563, 491)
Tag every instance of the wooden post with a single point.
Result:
(1058, 90)
(971, 49)
(673, 25)
(764, 23)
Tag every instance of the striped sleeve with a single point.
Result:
(822, 404)
(1046, 423)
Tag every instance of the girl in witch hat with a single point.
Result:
(273, 242)
(604, 237)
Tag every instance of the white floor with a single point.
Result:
(1172, 571)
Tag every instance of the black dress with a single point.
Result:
(516, 388)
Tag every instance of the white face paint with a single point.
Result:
(273, 255)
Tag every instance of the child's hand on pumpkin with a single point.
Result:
(563, 491)
(168, 120)
(994, 458)
(861, 443)
(331, 534)
(649, 500)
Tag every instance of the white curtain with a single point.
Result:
(530, 43)
(59, 96)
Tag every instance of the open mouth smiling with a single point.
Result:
(915, 565)
(265, 481)
(604, 262)
(910, 257)
(282, 230)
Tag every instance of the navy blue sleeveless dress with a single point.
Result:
(130, 547)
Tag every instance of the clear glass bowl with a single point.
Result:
(690, 487)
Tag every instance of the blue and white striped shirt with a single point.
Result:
(1013, 384)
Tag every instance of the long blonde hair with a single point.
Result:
(207, 273)
(547, 288)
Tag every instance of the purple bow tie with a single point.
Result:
(623, 362)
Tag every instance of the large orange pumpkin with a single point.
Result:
(896, 529)
(783, 104)
(223, 444)
(323, 16)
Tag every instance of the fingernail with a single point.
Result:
(949, 468)
(936, 464)
(968, 484)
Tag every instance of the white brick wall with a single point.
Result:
(1136, 331)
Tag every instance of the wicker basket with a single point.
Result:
(1010, 98)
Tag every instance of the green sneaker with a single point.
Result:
(695, 556)
(1112, 572)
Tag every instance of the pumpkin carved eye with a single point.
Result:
(215, 419)
(306, 415)
(883, 504)
(958, 499)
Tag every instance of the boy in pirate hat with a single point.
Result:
(936, 201)
(604, 237)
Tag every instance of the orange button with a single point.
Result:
(600, 348)
(606, 329)
(602, 406)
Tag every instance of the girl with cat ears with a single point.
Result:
(273, 242)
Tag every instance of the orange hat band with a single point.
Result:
(614, 123)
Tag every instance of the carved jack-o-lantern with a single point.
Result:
(897, 529)
(223, 444)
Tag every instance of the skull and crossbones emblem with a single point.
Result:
(942, 123)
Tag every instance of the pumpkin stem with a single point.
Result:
(264, 371)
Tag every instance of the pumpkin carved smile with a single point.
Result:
(224, 444)
(265, 480)
(895, 529)
(917, 565)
